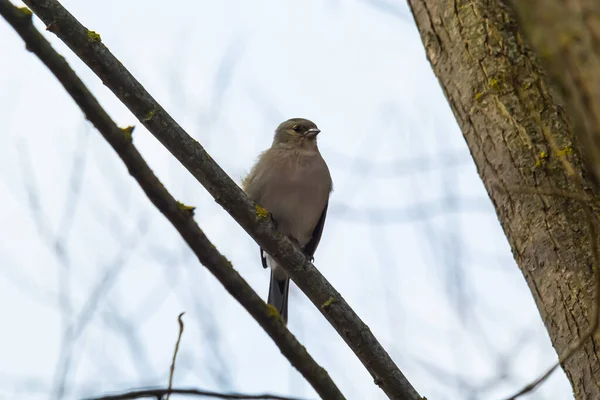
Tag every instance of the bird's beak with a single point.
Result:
(312, 132)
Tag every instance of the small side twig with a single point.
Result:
(172, 372)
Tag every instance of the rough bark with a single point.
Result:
(566, 37)
(519, 136)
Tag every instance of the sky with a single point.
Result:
(92, 277)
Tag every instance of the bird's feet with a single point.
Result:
(295, 241)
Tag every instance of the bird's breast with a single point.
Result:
(296, 194)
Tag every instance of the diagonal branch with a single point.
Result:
(88, 46)
(179, 215)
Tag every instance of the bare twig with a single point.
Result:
(88, 46)
(179, 216)
(159, 394)
(175, 355)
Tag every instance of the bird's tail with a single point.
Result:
(278, 295)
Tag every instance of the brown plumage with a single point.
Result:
(292, 181)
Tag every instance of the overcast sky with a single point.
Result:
(92, 277)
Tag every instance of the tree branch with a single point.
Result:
(179, 215)
(88, 46)
(160, 393)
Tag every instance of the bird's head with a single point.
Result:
(297, 131)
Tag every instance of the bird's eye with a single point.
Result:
(296, 128)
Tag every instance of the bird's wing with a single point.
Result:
(263, 258)
(312, 244)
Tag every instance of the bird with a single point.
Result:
(291, 180)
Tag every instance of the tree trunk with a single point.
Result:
(566, 36)
(519, 136)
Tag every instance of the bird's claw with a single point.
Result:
(297, 243)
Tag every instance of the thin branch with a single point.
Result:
(55, 245)
(177, 214)
(76, 181)
(414, 213)
(159, 393)
(172, 372)
(87, 45)
(398, 168)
